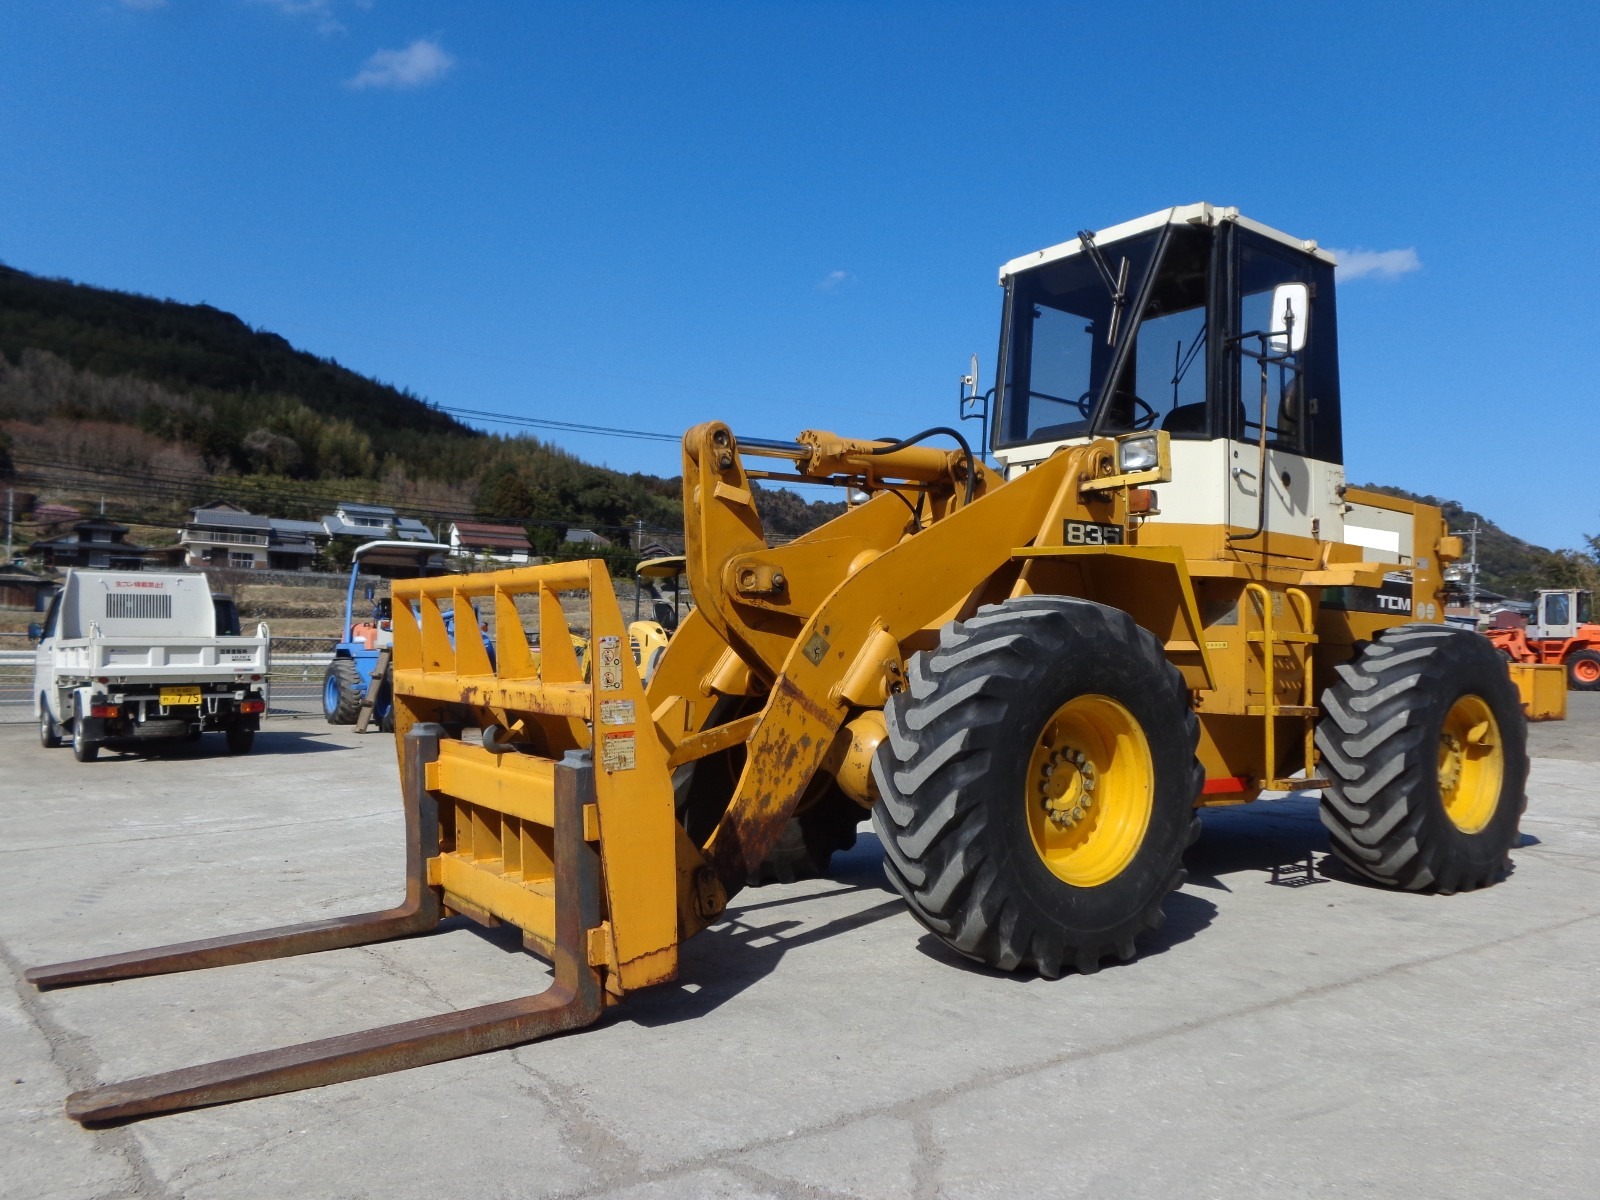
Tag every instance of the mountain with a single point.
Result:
(162, 405)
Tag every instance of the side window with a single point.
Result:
(1556, 609)
(1302, 389)
(1585, 609)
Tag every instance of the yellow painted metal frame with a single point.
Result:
(1268, 637)
(497, 800)
(1176, 575)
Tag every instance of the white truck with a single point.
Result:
(139, 655)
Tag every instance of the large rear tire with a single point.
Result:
(1038, 784)
(341, 692)
(1425, 742)
(1583, 671)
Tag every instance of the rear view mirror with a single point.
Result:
(1291, 318)
(35, 632)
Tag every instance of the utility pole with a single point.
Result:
(1472, 580)
(1470, 570)
(10, 498)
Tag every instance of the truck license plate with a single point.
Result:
(178, 695)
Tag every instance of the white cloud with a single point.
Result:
(834, 280)
(318, 12)
(421, 63)
(1375, 264)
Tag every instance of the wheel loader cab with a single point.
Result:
(1168, 323)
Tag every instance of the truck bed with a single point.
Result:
(140, 659)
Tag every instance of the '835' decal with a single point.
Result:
(1091, 533)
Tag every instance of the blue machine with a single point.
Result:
(355, 656)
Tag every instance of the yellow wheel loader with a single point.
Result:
(1031, 675)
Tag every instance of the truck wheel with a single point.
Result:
(240, 740)
(341, 692)
(49, 735)
(1424, 740)
(83, 748)
(1038, 784)
(1583, 671)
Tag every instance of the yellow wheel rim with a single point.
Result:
(1471, 764)
(1090, 787)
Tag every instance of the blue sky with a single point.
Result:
(791, 214)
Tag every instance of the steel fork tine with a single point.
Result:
(419, 912)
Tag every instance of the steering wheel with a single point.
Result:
(1081, 403)
(1144, 417)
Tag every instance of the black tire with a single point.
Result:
(84, 749)
(49, 734)
(240, 741)
(1583, 671)
(953, 774)
(1382, 736)
(341, 692)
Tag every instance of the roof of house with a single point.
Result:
(507, 537)
(225, 518)
(332, 525)
(283, 525)
(587, 535)
(412, 530)
(367, 510)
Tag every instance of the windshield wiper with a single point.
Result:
(1118, 287)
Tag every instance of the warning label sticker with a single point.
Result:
(616, 752)
(611, 664)
(616, 712)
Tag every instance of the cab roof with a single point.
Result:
(1183, 214)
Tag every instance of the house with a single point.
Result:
(587, 537)
(221, 535)
(95, 542)
(293, 545)
(23, 589)
(373, 521)
(366, 521)
(496, 543)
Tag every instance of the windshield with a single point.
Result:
(1059, 355)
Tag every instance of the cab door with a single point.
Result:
(1282, 380)
(1556, 617)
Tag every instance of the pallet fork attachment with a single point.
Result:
(574, 999)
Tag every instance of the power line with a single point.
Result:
(562, 426)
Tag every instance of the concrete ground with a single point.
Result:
(1271, 1041)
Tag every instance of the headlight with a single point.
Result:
(1137, 454)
